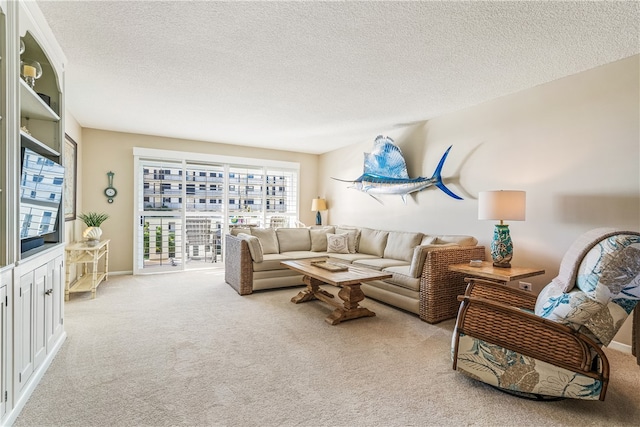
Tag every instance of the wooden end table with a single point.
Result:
(80, 254)
(502, 275)
(349, 280)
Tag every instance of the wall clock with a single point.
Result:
(110, 191)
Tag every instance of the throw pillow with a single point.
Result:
(293, 239)
(255, 247)
(372, 241)
(337, 243)
(353, 237)
(268, 239)
(400, 245)
(319, 238)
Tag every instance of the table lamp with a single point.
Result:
(502, 205)
(318, 205)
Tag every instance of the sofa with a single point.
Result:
(421, 282)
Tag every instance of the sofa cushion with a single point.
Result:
(234, 231)
(302, 254)
(350, 258)
(461, 240)
(255, 248)
(427, 239)
(354, 237)
(337, 243)
(270, 262)
(417, 261)
(379, 263)
(319, 238)
(394, 295)
(402, 277)
(293, 239)
(372, 241)
(400, 245)
(268, 239)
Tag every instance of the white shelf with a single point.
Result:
(33, 107)
(86, 283)
(36, 145)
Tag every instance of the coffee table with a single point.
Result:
(349, 280)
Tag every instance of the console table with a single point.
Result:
(91, 264)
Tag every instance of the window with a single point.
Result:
(228, 190)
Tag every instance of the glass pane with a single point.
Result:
(162, 186)
(203, 237)
(245, 189)
(281, 197)
(161, 242)
(204, 188)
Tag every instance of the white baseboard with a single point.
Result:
(120, 273)
(625, 348)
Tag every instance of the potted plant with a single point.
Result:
(93, 221)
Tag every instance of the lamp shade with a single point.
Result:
(318, 204)
(502, 205)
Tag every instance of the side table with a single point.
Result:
(502, 275)
(86, 260)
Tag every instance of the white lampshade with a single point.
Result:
(318, 205)
(502, 205)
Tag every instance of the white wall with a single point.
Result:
(572, 145)
(72, 229)
(104, 151)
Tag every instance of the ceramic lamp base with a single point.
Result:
(318, 218)
(501, 247)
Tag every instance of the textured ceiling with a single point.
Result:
(316, 76)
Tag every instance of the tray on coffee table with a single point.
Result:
(330, 265)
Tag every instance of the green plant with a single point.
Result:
(159, 239)
(146, 240)
(93, 219)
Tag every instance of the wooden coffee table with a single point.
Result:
(349, 280)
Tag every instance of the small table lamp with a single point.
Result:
(502, 205)
(319, 205)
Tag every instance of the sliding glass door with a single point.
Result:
(160, 231)
(184, 208)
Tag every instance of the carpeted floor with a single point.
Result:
(186, 349)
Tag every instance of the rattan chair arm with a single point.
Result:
(499, 292)
(531, 335)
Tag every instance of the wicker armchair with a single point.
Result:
(550, 346)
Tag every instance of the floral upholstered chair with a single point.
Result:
(550, 346)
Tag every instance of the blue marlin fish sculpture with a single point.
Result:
(385, 172)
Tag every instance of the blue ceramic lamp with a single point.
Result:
(318, 205)
(502, 205)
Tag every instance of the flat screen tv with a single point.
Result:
(41, 188)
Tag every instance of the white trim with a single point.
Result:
(615, 345)
(32, 383)
(38, 26)
(157, 154)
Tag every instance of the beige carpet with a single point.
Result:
(186, 349)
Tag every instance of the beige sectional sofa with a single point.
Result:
(421, 282)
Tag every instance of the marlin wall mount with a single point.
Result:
(385, 172)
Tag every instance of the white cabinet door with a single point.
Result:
(3, 347)
(31, 323)
(55, 302)
(41, 300)
(24, 327)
